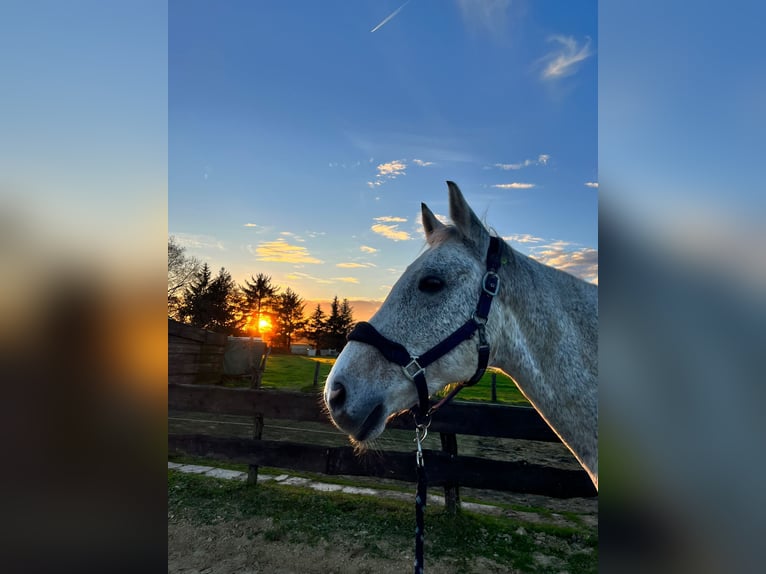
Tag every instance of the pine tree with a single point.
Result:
(288, 314)
(211, 303)
(258, 293)
(339, 323)
(316, 328)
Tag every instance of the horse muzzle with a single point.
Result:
(363, 418)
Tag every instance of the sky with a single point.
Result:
(302, 137)
(107, 135)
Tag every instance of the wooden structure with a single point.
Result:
(445, 467)
(195, 356)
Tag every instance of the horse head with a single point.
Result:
(436, 295)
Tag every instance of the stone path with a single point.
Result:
(326, 487)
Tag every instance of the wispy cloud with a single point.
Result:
(195, 241)
(367, 249)
(280, 251)
(514, 185)
(390, 219)
(391, 232)
(565, 59)
(542, 159)
(297, 276)
(581, 262)
(354, 265)
(523, 238)
(422, 163)
(485, 15)
(591, 183)
(388, 18)
(249, 225)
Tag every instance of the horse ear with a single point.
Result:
(464, 218)
(430, 222)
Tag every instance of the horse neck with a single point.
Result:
(548, 343)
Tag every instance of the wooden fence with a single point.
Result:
(445, 467)
(194, 355)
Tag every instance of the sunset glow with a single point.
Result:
(264, 325)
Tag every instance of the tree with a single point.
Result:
(211, 303)
(181, 271)
(339, 323)
(316, 327)
(257, 294)
(288, 316)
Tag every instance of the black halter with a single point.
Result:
(415, 366)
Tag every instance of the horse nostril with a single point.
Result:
(337, 396)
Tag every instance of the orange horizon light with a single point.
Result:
(264, 325)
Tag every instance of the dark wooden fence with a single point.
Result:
(445, 467)
(194, 355)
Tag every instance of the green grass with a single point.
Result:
(377, 524)
(296, 372)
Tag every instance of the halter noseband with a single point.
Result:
(414, 366)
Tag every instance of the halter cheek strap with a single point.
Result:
(414, 366)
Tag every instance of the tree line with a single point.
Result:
(255, 308)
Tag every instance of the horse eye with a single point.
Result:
(430, 284)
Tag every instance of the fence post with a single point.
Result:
(317, 364)
(252, 469)
(494, 387)
(451, 490)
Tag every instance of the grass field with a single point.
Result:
(296, 372)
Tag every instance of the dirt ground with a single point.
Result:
(240, 547)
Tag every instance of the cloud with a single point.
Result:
(542, 159)
(390, 232)
(354, 265)
(254, 225)
(582, 262)
(422, 163)
(280, 251)
(591, 183)
(296, 276)
(346, 279)
(564, 61)
(485, 15)
(514, 185)
(195, 241)
(523, 238)
(392, 169)
(368, 249)
(390, 219)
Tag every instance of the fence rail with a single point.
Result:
(444, 467)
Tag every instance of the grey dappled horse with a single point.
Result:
(542, 330)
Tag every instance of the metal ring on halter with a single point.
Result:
(490, 283)
(408, 368)
(480, 321)
(419, 440)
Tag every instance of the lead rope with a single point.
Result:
(421, 432)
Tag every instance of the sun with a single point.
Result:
(264, 325)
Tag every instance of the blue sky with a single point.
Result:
(303, 136)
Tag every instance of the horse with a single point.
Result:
(542, 331)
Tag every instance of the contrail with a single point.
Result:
(389, 17)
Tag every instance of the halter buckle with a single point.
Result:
(413, 368)
(490, 284)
